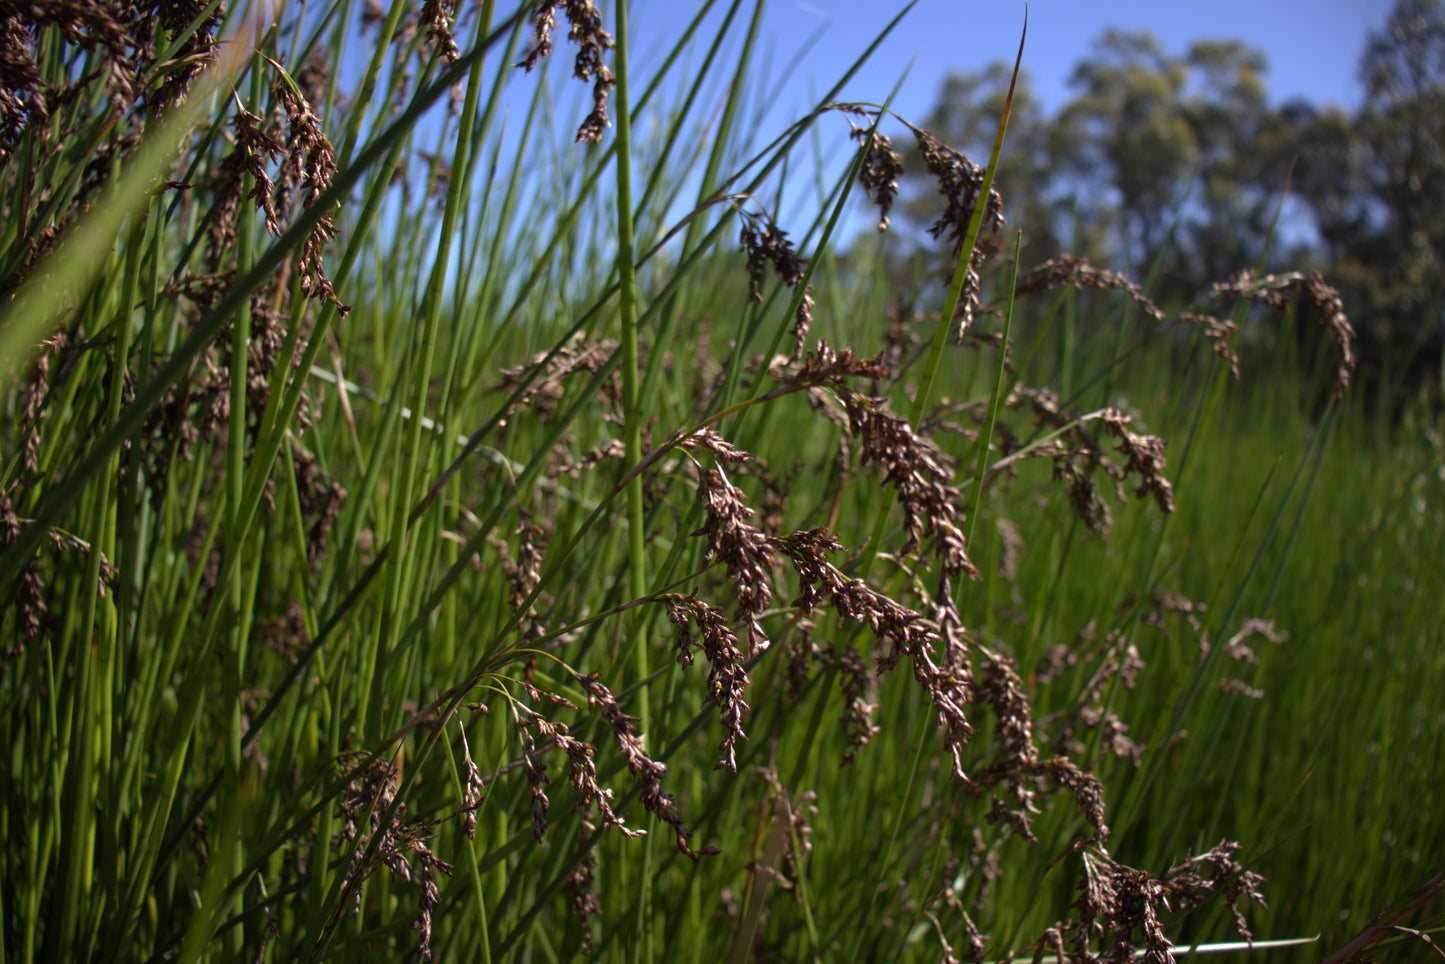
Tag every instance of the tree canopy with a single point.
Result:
(1177, 167)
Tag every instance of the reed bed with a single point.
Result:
(430, 537)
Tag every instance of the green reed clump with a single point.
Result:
(423, 538)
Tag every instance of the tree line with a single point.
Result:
(1177, 168)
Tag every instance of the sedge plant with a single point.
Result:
(427, 536)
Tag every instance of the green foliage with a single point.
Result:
(1375, 181)
(388, 546)
(1174, 166)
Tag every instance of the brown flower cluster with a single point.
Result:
(1238, 649)
(26, 97)
(748, 555)
(253, 155)
(34, 393)
(1219, 332)
(1143, 459)
(198, 409)
(727, 677)
(1069, 270)
(437, 16)
(301, 156)
(125, 33)
(540, 735)
(765, 243)
(826, 365)
(1019, 773)
(1276, 290)
(1120, 908)
(320, 498)
(592, 41)
(523, 574)
(952, 671)
(741, 546)
(859, 700)
(394, 844)
(955, 674)
(1164, 603)
(583, 904)
(960, 181)
(308, 159)
(948, 682)
(918, 471)
(36, 100)
(1090, 712)
(882, 167)
(545, 376)
(649, 772)
(791, 816)
(1078, 453)
(194, 55)
(710, 440)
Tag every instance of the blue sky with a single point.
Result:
(1312, 49)
(1313, 46)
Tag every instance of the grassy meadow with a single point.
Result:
(426, 536)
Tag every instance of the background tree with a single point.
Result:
(1403, 125)
(1124, 144)
(1149, 144)
(1235, 189)
(1180, 163)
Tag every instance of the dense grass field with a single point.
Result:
(428, 536)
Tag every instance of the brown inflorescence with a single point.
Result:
(581, 772)
(1069, 270)
(524, 574)
(859, 700)
(437, 16)
(1078, 454)
(914, 466)
(882, 167)
(1238, 649)
(650, 772)
(308, 159)
(960, 181)
(727, 677)
(547, 373)
(741, 546)
(1121, 908)
(119, 40)
(583, 902)
(1219, 332)
(765, 243)
(908, 633)
(395, 844)
(592, 41)
(1274, 291)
